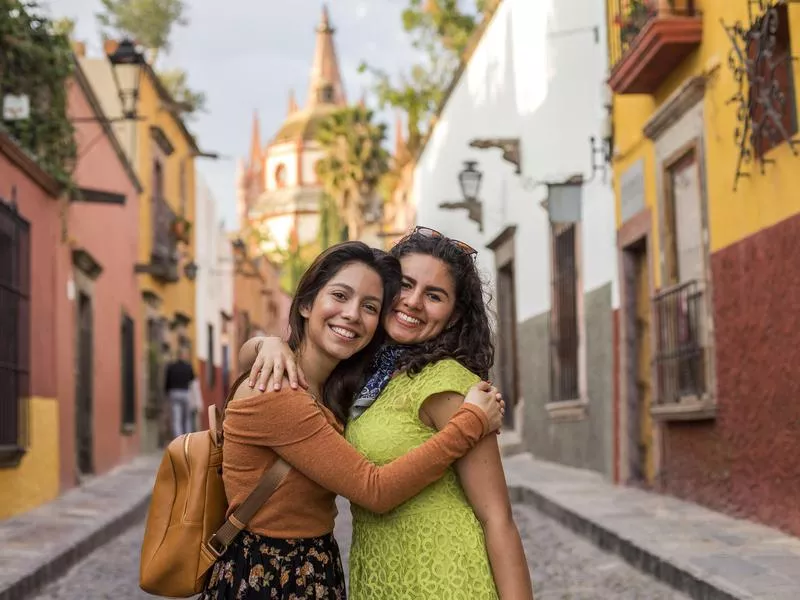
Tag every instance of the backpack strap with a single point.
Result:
(267, 485)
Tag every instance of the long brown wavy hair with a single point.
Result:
(469, 339)
(342, 385)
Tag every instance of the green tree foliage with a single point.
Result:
(36, 61)
(353, 164)
(331, 229)
(149, 22)
(440, 30)
(64, 26)
(175, 81)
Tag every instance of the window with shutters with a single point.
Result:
(15, 328)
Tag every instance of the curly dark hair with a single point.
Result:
(343, 383)
(469, 339)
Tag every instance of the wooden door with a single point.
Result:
(84, 380)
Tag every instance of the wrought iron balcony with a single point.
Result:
(649, 39)
(164, 256)
(680, 361)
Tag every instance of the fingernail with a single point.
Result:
(262, 387)
(276, 387)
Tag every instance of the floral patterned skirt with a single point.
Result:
(256, 567)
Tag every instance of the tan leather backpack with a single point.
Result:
(186, 530)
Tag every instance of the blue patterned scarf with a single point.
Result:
(381, 370)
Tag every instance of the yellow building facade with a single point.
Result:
(706, 163)
(166, 153)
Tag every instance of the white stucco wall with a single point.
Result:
(281, 154)
(548, 90)
(311, 154)
(214, 283)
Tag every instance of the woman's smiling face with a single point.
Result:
(426, 303)
(346, 312)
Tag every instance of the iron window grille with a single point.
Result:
(564, 338)
(680, 359)
(761, 63)
(15, 328)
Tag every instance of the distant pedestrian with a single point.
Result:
(180, 375)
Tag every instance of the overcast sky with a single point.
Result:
(247, 54)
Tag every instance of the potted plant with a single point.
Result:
(633, 19)
(181, 229)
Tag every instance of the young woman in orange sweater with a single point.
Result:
(287, 549)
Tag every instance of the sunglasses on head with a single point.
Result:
(437, 235)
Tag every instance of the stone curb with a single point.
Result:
(673, 574)
(123, 506)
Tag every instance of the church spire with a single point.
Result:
(255, 143)
(293, 108)
(325, 86)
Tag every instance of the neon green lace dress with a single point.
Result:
(432, 546)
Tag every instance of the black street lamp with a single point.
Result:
(470, 181)
(126, 68)
(127, 55)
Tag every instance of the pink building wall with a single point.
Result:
(40, 208)
(109, 233)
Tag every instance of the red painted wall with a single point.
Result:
(109, 232)
(745, 462)
(42, 213)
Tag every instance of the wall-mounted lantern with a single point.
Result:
(127, 57)
(469, 180)
(564, 200)
(127, 61)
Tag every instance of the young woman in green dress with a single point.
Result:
(456, 540)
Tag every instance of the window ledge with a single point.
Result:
(567, 410)
(688, 408)
(11, 456)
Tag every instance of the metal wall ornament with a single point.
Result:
(754, 63)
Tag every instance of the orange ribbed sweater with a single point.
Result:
(291, 424)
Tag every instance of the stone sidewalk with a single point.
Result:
(697, 551)
(41, 545)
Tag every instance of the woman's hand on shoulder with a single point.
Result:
(486, 397)
(439, 408)
(274, 360)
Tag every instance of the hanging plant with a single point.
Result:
(182, 229)
(633, 18)
(36, 61)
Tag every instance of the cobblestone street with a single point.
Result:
(563, 566)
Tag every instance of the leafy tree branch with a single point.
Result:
(37, 62)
